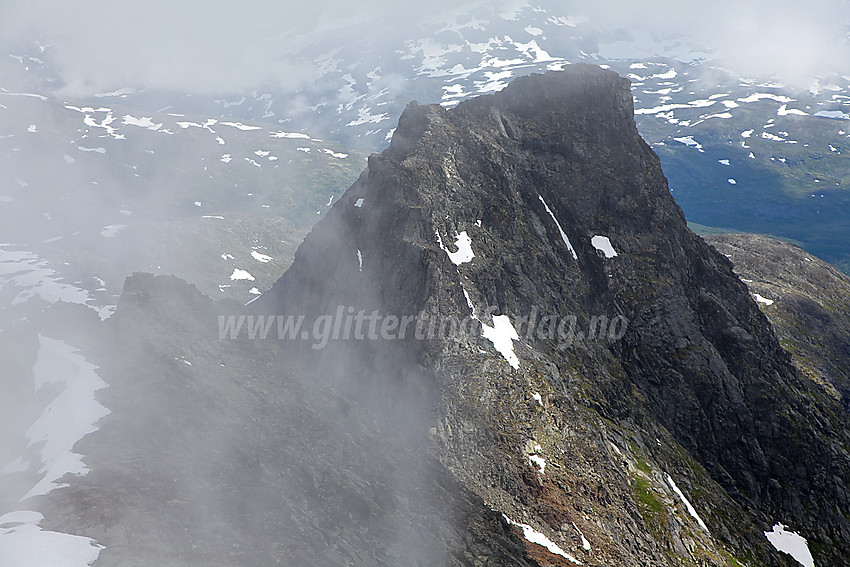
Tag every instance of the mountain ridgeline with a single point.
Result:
(622, 393)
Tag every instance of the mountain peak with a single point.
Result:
(554, 295)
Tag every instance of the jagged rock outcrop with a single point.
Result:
(543, 201)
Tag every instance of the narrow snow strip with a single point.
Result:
(502, 334)
(532, 535)
(584, 543)
(791, 543)
(760, 96)
(72, 414)
(603, 244)
(240, 126)
(691, 510)
(561, 230)
(25, 544)
(291, 135)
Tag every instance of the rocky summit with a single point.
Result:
(621, 395)
(501, 347)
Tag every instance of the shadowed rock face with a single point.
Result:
(697, 387)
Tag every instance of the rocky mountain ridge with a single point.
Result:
(527, 180)
(582, 380)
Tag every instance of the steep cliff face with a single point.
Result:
(616, 364)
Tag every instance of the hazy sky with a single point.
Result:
(196, 46)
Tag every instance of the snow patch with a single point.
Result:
(538, 463)
(291, 135)
(240, 126)
(791, 543)
(261, 257)
(690, 142)
(603, 244)
(761, 96)
(143, 122)
(241, 275)
(763, 300)
(338, 155)
(25, 544)
(833, 114)
(464, 252)
(502, 334)
(785, 111)
(72, 414)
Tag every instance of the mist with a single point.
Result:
(196, 47)
(82, 207)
